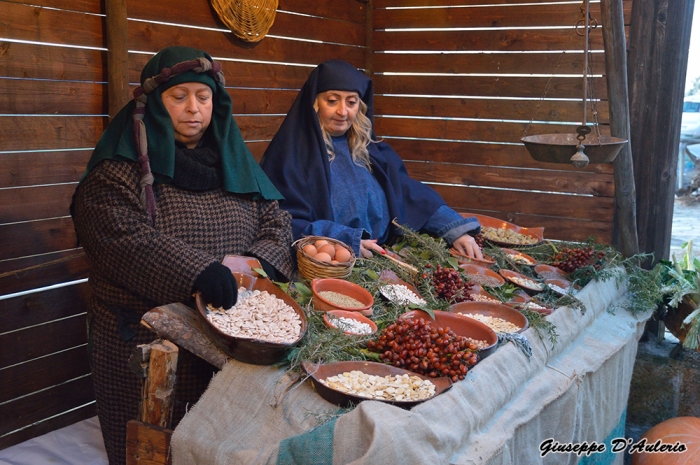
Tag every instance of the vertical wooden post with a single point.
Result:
(117, 56)
(659, 43)
(369, 29)
(159, 386)
(625, 228)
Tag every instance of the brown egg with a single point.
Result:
(335, 262)
(329, 249)
(343, 255)
(320, 243)
(310, 250)
(323, 257)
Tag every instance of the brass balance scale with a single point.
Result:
(581, 148)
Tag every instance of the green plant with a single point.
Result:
(681, 282)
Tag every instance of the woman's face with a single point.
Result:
(337, 110)
(190, 107)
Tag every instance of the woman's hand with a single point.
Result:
(466, 245)
(368, 246)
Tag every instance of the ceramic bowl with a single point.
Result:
(550, 272)
(318, 372)
(357, 316)
(388, 277)
(520, 280)
(254, 351)
(482, 276)
(461, 326)
(340, 286)
(519, 257)
(479, 294)
(242, 264)
(561, 286)
(496, 223)
(493, 310)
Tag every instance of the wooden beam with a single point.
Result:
(159, 386)
(117, 37)
(147, 444)
(625, 227)
(658, 57)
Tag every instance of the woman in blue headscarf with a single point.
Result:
(338, 181)
(170, 190)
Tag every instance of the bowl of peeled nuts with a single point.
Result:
(504, 233)
(263, 326)
(499, 317)
(529, 285)
(350, 323)
(339, 294)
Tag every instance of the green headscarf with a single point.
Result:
(240, 172)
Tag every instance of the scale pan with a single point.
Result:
(558, 148)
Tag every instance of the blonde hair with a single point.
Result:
(359, 137)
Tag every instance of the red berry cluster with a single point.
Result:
(570, 260)
(449, 285)
(416, 345)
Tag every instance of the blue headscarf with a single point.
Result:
(296, 161)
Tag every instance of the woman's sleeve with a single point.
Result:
(274, 238)
(120, 242)
(450, 225)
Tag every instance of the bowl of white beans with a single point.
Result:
(350, 323)
(499, 317)
(261, 328)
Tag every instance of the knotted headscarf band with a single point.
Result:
(198, 65)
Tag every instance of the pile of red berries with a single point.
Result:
(449, 285)
(571, 259)
(417, 345)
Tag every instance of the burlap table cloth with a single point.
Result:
(498, 415)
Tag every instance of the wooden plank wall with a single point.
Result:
(53, 109)
(458, 83)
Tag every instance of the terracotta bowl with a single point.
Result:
(461, 326)
(389, 277)
(477, 292)
(562, 284)
(493, 310)
(549, 272)
(491, 222)
(513, 276)
(519, 296)
(519, 257)
(254, 351)
(486, 261)
(318, 372)
(352, 315)
(344, 287)
(480, 275)
(242, 264)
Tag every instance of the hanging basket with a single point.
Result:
(248, 20)
(559, 148)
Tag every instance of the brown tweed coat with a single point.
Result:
(136, 266)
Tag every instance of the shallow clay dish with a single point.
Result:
(519, 258)
(327, 319)
(477, 291)
(491, 222)
(242, 264)
(344, 287)
(389, 277)
(562, 284)
(486, 261)
(318, 371)
(461, 326)
(245, 350)
(550, 272)
(480, 275)
(493, 310)
(513, 277)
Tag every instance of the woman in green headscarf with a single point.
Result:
(168, 192)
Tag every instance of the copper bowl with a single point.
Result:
(318, 372)
(493, 310)
(461, 326)
(480, 275)
(345, 288)
(254, 351)
(513, 277)
(357, 316)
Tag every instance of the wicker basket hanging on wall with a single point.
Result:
(249, 20)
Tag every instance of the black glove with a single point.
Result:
(217, 285)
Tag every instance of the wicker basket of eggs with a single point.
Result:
(324, 257)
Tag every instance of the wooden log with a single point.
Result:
(658, 57)
(147, 444)
(625, 227)
(177, 323)
(159, 386)
(117, 38)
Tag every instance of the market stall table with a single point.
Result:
(506, 407)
